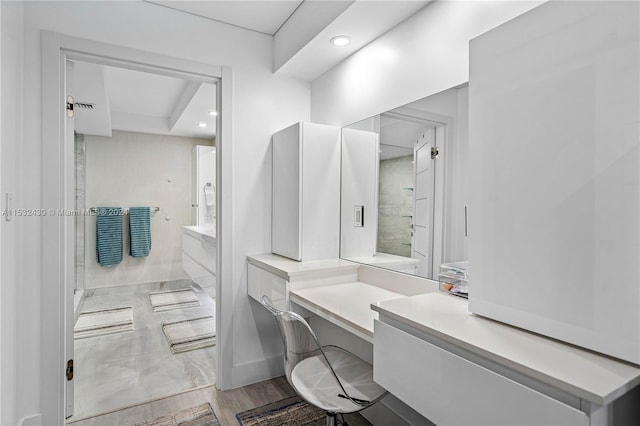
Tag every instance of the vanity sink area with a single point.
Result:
(407, 318)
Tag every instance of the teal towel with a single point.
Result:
(109, 235)
(139, 231)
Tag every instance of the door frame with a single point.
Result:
(444, 140)
(57, 193)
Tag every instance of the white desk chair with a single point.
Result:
(328, 377)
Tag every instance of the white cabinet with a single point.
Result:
(199, 254)
(306, 192)
(450, 390)
(263, 283)
(554, 220)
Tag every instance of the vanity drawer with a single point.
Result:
(201, 251)
(198, 274)
(261, 282)
(450, 390)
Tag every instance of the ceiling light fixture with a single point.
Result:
(202, 124)
(341, 40)
(213, 113)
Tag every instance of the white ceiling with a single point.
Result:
(309, 54)
(363, 21)
(261, 15)
(398, 136)
(136, 101)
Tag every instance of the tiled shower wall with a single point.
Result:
(395, 211)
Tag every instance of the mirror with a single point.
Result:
(404, 186)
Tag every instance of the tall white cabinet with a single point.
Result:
(554, 221)
(306, 192)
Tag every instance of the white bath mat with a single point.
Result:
(187, 335)
(173, 299)
(108, 321)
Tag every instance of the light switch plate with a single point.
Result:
(358, 216)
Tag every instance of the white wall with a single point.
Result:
(11, 132)
(424, 55)
(139, 169)
(262, 104)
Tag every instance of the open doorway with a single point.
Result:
(144, 258)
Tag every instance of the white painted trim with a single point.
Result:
(224, 281)
(443, 134)
(139, 60)
(56, 49)
(2, 195)
(1, 258)
(52, 389)
(33, 420)
(69, 237)
(260, 370)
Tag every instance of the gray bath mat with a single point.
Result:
(187, 335)
(173, 299)
(107, 321)
(201, 415)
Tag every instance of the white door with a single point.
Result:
(422, 244)
(69, 245)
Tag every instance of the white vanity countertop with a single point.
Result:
(287, 268)
(346, 304)
(207, 231)
(594, 377)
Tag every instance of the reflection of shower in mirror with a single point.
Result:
(416, 184)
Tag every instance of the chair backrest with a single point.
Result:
(300, 341)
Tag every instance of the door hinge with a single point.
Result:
(69, 106)
(70, 370)
(434, 152)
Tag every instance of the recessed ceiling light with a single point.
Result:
(202, 124)
(341, 40)
(213, 113)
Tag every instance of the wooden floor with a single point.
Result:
(225, 404)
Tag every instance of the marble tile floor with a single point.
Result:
(124, 369)
(224, 403)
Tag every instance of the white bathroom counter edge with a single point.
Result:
(287, 268)
(596, 378)
(204, 232)
(336, 303)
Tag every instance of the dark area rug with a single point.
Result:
(292, 411)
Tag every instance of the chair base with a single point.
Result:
(332, 419)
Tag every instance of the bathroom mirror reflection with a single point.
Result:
(404, 186)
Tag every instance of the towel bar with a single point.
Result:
(125, 210)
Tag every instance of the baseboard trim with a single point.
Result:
(33, 420)
(257, 371)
